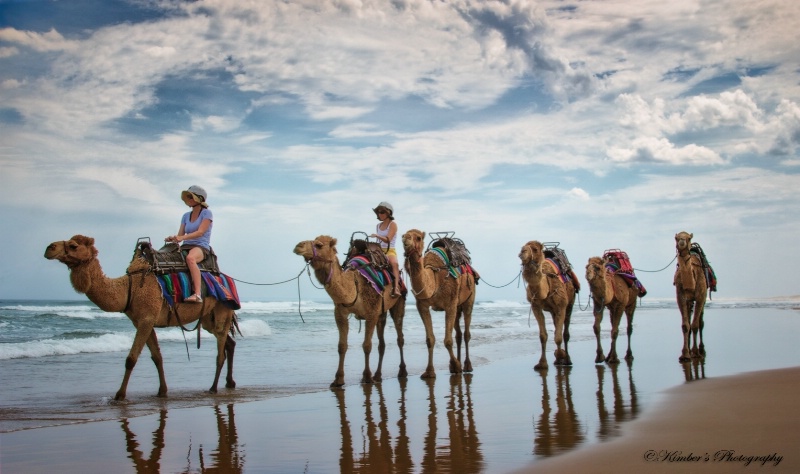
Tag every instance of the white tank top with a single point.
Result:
(385, 233)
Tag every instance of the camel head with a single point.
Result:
(413, 242)
(594, 268)
(532, 253)
(73, 252)
(321, 249)
(683, 241)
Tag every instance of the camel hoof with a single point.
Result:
(403, 373)
(377, 378)
(540, 367)
(612, 361)
(599, 359)
(684, 359)
(230, 384)
(468, 366)
(428, 374)
(629, 356)
(336, 384)
(212, 390)
(367, 380)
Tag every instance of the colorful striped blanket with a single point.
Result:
(454, 271)
(377, 278)
(629, 278)
(175, 287)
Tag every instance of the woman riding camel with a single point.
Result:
(194, 235)
(386, 232)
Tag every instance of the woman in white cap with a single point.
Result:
(386, 233)
(195, 235)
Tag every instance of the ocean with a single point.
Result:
(61, 362)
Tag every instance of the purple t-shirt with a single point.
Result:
(189, 227)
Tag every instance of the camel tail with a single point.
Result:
(235, 327)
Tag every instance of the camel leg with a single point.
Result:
(459, 334)
(686, 313)
(142, 336)
(616, 316)
(629, 317)
(230, 347)
(467, 308)
(369, 329)
(697, 323)
(558, 337)
(598, 318)
(567, 318)
(155, 354)
(430, 338)
(340, 315)
(542, 365)
(449, 322)
(381, 327)
(398, 312)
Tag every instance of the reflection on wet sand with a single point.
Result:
(226, 458)
(561, 431)
(694, 369)
(458, 452)
(150, 464)
(622, 411)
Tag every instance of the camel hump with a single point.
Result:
(170, 259)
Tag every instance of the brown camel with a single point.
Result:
(139, 296)
(611, 291)
(690, 290)
(435, 289)
(352, 294)
(546, 292)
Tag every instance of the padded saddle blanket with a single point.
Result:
(617, 262)
(558, 259)
(176, 287)
(711, 277)
(455, 271)
(378, 278)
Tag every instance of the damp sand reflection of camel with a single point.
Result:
(380, 452)
(623, 410)
(561, 431)
(694, 369)
(462, 453)
(377, 454)
(227, 458)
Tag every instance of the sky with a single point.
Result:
(596, 124)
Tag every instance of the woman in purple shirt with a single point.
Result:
(195, 233)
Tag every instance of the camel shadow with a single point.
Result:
(228, 457)
(559, 432)
(623, 410)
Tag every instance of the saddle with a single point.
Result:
(559, 256)
(711, 277)
(364, 248)
(455, 248)
(618, 261)
(170, 258)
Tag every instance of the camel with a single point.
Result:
(352, 294)
(611, 291)
(690, 291)
(139, 296)
(435, 289)
(546, 292)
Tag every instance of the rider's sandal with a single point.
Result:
(195, 298)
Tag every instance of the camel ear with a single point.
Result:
(333, 242)
(423, 236)
(691, 236)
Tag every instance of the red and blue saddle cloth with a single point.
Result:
(454, 272)
(564, 276)
(175, 287)
(377, 278)
(629, 277)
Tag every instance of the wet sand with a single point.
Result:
(505, 417)
(732, 424)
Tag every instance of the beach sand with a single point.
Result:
(740, 423)
(653, 415)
